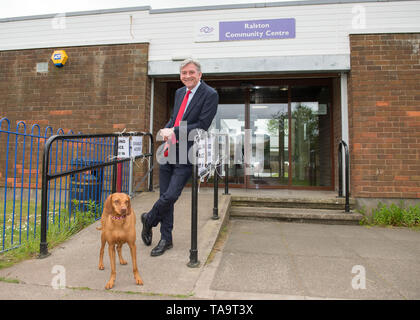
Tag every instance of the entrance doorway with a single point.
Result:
(280, 133)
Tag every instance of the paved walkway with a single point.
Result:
(303, 261)
(251, 260)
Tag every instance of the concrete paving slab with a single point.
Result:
(401, 276)
(247, 238)
(305, 229)
(317, 260)
(396, 233)
(24, 291)
(357, 232)
(382, 249)
(317, 246)
(264, 273)
(332, 277)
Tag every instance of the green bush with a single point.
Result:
(394, 215)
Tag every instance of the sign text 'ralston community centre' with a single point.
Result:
(246, 30)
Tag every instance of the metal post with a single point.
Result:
(216, 195)
(115, 167)
(150, 134)
(43, 246)
(130, 177)
(342, 145)
(226, 179)
(340, 170)
(194, 263)
(227, 166)
(347, 160)
(151, 151)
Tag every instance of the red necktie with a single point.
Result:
(177, 121)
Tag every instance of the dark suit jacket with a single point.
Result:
(200, 112)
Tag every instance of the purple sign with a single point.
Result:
(257, 29)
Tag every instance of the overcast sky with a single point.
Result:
(19, 8)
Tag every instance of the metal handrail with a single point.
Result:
(347, 173)
(193, 263)
(46, 176)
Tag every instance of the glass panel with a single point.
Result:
(230, 118)
(269, 136)
(311, 128)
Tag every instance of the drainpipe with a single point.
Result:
(344, 119)
(152, 99)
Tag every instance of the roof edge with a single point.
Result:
(76, 13)
(198, 8)
(266, 5)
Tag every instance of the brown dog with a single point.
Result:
(118, 223)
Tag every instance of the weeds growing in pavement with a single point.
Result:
(394, 215)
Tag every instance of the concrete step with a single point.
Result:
(312, 203)
(324, 216)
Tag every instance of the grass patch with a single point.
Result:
(8, 280)
(153, 294)
(18, 219)
(393, 215)
(60, 229)
(79, 288)
(218, 244)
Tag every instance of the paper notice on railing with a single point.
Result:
(123, 147)
(137, 146)
(202, 158)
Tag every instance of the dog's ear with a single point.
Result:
(129, 209)
(107, 205)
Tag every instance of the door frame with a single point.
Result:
(325, 80)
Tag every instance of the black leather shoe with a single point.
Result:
(160, 249)
(146, 233)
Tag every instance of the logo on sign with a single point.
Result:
(206, 29)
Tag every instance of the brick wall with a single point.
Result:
(384, 115)
(101, 89)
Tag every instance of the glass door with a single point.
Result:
(280, 135)
(230, 118)
(269, 137)
(311, 136)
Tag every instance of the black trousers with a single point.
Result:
(172, 180)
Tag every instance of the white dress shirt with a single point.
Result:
(193, 90)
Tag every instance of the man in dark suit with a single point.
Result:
(195, 105)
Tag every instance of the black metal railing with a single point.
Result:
(193, 263)
(344, 145)
(101, 154)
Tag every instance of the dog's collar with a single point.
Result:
(118, 217)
